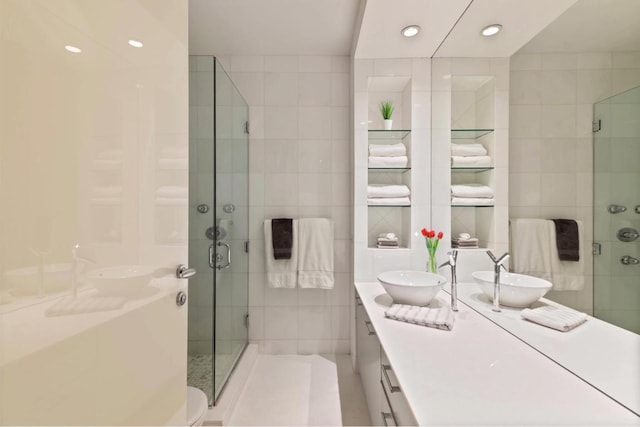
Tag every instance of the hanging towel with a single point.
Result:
(567, 275)
(282, 237)
(440, 318)
(388, 162)
(530, 240)
(470, 161)
(562, 319)
(380, 190)
(315, 253)
(471, 190)
(389, 201)
(387, 150)
(468, 150)
(472, 201)
(567, 240)
(281, 273)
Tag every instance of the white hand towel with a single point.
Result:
(440, 318)
(380, 190)
(470, 161)
(468, 150)
(530, 247)
(315, 253)
(389, 201)
(471, 190)
(387, 150)
(388, 162)
(472, 201)
(566, 275)
(562, 319)
(80, 305)
(281, 273)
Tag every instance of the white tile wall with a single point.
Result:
(551, 144)
(300, 166)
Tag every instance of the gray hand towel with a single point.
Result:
(282, 237)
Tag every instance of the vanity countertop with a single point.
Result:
(479, 374)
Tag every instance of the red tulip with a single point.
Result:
(440, 235)
(424, 232)
(432, 234)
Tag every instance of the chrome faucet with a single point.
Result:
(453, 257)
(497, 263)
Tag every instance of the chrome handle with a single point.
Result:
(614, 209)
(385, 416)
(212, 262)
(371, 331)
(627, 234)
(226, 245)
(637, 209)
(629, 260)
(392, 388)
(184, 272)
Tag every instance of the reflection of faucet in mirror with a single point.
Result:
(453, 256)
(497, 263)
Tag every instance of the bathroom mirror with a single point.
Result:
(573, 148)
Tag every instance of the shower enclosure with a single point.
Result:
(218, 225)
(616, 266)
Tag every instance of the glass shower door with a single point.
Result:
(616, 271)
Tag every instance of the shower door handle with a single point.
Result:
(228, 263)
(212, 252)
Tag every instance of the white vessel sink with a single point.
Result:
(122, 279)
(411, 287)
(516, 290)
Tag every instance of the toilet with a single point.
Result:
(197, 405)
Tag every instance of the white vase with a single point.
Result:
(387, 124)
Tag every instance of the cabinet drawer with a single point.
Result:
(393, 391)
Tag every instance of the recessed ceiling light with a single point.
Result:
(135, 43)
(410, 31)
(491, 30)
(73, 49)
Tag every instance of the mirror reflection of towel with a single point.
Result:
(567, 239)
(282, 237)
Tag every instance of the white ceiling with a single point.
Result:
(371, 28)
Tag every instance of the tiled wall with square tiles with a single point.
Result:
(551, 141)
(300, 166)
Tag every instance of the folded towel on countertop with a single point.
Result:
(389, 201)
(470, 161)
(471, 190)
(388, 162)
(468, 150)
(472, 201)
(562, 319)
(380, 190)
(282, 237)
(281, 273)
(440, 318)
(315, 253)
(567, 239)
(387, 150)
(81, 305)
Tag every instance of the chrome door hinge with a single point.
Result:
(246, 321)
(596, 248)
(246, 127)
(596, 125)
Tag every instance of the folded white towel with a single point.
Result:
(389, 201)
(281, 273)
(386, 239)
(562, 319)
(380, 190)
(388, 235)
(79, 305)
(470, 161)
(441, 318)
(315, 253)
(387, 150)
(471, 190)
(388, 162)
(468, 150)
(472, 201)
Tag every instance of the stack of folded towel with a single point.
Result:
(469, 156)
(391, 195)
(441, 318)
(464, 241)
(388, 241)
(471, 195)
(388, 156)
(562, 319)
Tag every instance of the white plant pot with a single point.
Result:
(388, 123)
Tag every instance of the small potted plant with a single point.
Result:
(386, 109)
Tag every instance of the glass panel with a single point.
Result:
(469, 133)
(388, 134)
(232, 229)
(616, 287)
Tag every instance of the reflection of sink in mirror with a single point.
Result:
(411, 287)
(516, 290)
(26, 281)
(122, 279)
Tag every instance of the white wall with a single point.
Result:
(551, 142)
(300, 166)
